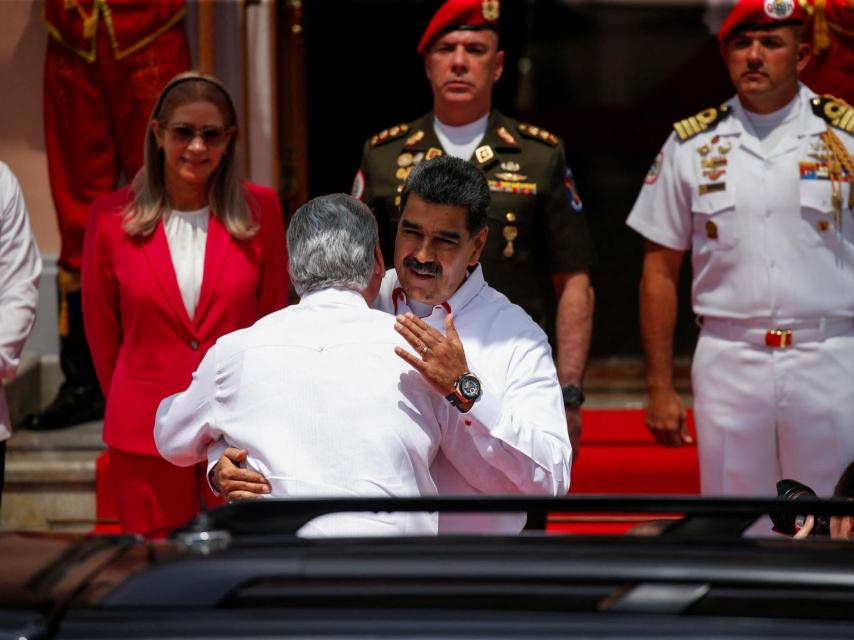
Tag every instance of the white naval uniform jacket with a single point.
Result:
(759, 225)
(20, 269)
(326, 408)
(521, 406)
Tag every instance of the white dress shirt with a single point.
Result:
(187, 234)
(326, 408)
(20, 268)
(460, 142)
(521, 404)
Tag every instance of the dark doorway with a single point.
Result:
(609, 78)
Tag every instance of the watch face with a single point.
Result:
(470, 387)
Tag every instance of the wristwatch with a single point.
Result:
(572, 396)
(467, 388)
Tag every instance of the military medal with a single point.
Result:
(404, 159)
(403, 173)
(510, 217)
(711, 230)
(714, 174)
(510, 234)
(703, 150)
(724, 148)
(523, 188)
(432, 152)
(511, 177)
(713, 162)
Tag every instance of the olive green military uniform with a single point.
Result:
(536, 223)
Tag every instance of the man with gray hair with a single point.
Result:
(317, 395)
(485, 355)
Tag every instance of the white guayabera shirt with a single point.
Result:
(326, 408)
(20, 268)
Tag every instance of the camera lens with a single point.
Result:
(789, 524)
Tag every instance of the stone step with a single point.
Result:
(50, 479)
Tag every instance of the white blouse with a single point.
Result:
(187, 233)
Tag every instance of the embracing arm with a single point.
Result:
(512, 439)
(185, 422)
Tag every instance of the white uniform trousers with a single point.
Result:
(763, 414)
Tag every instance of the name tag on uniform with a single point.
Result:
(712, 187)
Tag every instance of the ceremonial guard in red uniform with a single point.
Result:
(107, 61)
(830, 32)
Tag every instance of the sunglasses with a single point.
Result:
(185, 134)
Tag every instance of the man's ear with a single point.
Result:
(479, 243)
(804, 55)
(499, 65)
(379, 263)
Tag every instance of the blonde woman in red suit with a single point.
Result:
(184, 255)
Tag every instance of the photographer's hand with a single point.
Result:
(804, 531)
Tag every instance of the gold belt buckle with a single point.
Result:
(779, 338)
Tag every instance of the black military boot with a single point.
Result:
(79, 398)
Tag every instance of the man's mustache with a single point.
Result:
(428, 268)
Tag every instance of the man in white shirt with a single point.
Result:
(539, 249)
(20, 269)
(457, 324)
(317, 395)
(760, 191)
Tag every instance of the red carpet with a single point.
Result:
(618, 456)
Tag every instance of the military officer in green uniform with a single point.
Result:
(538, 249)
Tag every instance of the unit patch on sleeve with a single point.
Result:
(654, 168)
(572, 191)
(358, 188)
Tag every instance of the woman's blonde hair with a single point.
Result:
(226, 194)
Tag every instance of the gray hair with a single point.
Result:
(449, 180)
(331, 241)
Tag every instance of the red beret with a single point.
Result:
(460, 14)
(761, 14)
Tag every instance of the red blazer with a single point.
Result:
(144, 345)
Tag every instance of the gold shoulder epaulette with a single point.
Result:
(388, 134)
(690, 127)
(538, 133)
(834, 111)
